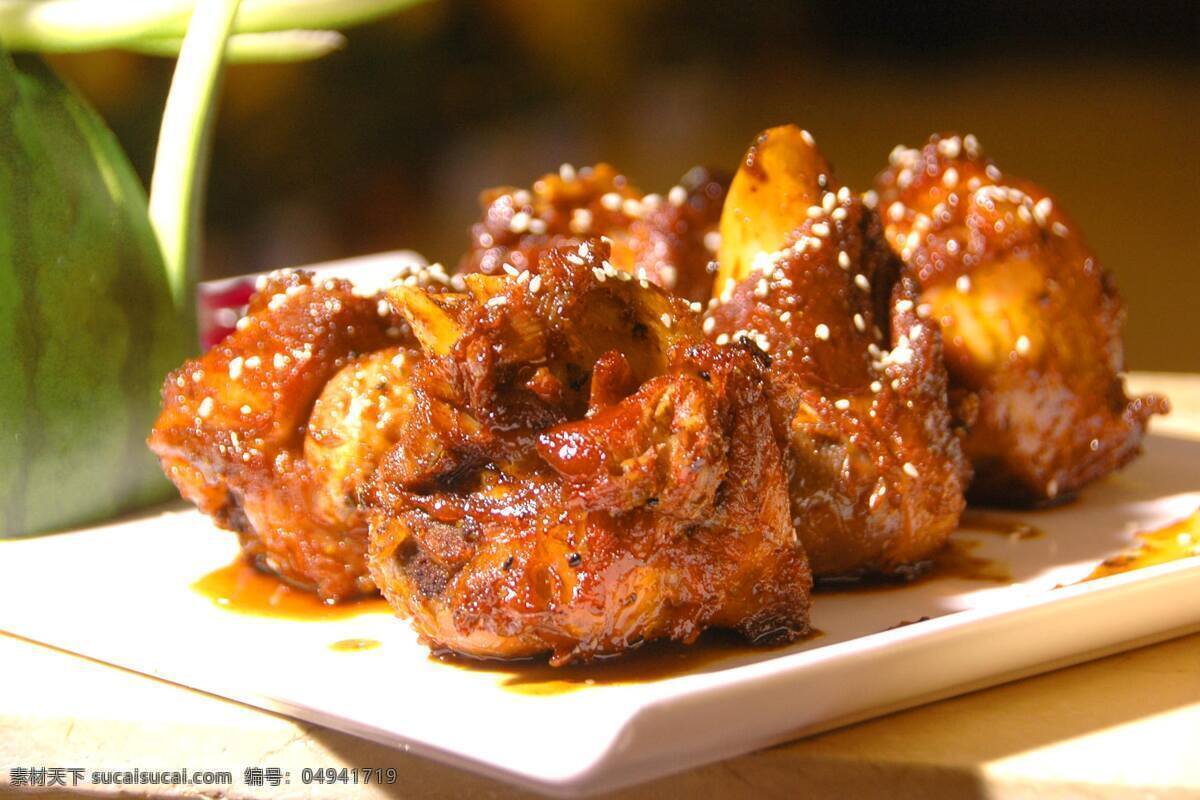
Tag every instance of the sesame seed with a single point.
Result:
(760, 288)
(820, 229)
(870, 198)
(1022, 345)
(242, 323)
(581, 220)
(860, 323)
(235, 367)
(252, 362)
(712, 241)
(246, 409)
(843, 194)
(276, 302)
(611, 201)
(723, 339)
(972, 144)
(1059, 229)
(280, 360)
(1042, 209)
(652, 201)
(963, 283)
(695, 307)
(677, 196)
(910, 470)
(876, 387)
(1052, 488)
(785, 316)
(861, 282)
(566, 172)
(828, 201)
(511, 270)
(666, 319)
(838, 214)
(993, 172)
(807, 137)
(519, 222)
(841, 404)
(497, 301)
(535, 284)
(599, 273)
(206, 407)
(814, 211)
(843, 259)
(896, 211)
(631, 207)
(949, 147)
(950, 178)
(924, 310)
(822, 332)
(708, 325)
(537, 226)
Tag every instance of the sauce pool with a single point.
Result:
(1177, 540)
(713, 651)
(242, 588)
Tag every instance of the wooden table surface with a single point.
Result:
(1123, 726)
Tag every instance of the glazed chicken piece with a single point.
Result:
(581, 473)
(1031, 320)
(272, 431)
(857, 384)
(666, 240)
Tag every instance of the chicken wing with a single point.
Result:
(668, 241)
(857, 384)
(582, 473)
(272, 431)
(1031, 320)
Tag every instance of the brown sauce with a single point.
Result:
(355, 645)
(1178, 540)
(955, 560)
(977, 521)
(241, 588)
(713, 651)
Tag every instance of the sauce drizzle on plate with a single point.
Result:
(1180, 539)
(241, 588)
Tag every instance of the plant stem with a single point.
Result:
(255, 48)
(181, 160)
(66, 26)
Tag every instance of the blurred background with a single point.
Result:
(387, 144)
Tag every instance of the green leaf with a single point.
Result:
(88, 327)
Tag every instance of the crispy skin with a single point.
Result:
(661, 239)
(856, 379)
(1031, 320)
(584, 474)
(235, 433)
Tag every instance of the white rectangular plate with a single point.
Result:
(122, 594)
